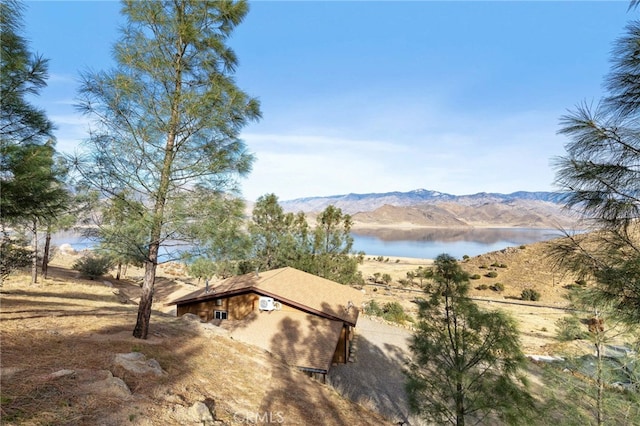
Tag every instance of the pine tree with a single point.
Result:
(600, 176)
(166, 121)
(467, 361)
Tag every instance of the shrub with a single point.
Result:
(474, 277)
(14, 254)
(530, 294)
(386, 278)
(394, 312)
(482, 287)
(522, 247)
(483, 266)
(581, 283)
(92, 266)
(497, 287)
(465, 257)
(499, 265)
(491, 274)
(372, 308)
(569, 328)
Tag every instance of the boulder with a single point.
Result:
(198, 413)
(137, 363)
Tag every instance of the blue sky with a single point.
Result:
(359, 97)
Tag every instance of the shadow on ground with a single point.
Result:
(375, 379)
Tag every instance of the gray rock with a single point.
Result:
(137, 363)
(198, 413)
(108, 386)
(201, 413)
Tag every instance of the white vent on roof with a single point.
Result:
(266, 304)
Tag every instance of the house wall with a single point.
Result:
(341, 354)
(242, 305)
(202, 309)
(239, 306)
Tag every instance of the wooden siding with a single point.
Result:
(341, 354)
(239, 306)
(202, 309)
(242, 305)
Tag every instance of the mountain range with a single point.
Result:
(427, 208)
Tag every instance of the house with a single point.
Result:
(306, 320)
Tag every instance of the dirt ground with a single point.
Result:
(66, 323)
(60, 336)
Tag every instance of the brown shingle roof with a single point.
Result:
(291, 286)
(301, 340)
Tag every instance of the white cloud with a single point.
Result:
(491, 154)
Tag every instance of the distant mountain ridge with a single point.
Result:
(427, 208)
(355, 203)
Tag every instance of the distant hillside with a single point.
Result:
(423, 207)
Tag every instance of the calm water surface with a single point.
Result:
(421, 243)
(429, 243)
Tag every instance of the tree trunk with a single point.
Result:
(45, 257)
(599, 383)
(146, 299)
(118, 271)
(459, 405)
(34, 263)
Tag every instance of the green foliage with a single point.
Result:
(390, 311)
(499, 265)
(530, 294)
(465, 257)
(569, 328)
(123, 229)
(373, 308)
(386, 278)
(482, 287)
(166, 123)
(491, 274)
(394, 312)
(92, 266)
(497, 287)
(23, 74)
(281, 239)
(599, 179)
(202, 268)
(14, 254)
(467, 361)
(475, 277)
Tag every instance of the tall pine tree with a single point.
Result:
(167, 119)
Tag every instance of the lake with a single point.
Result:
(457, 242)
(418, 243)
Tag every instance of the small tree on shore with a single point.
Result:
(467, 361)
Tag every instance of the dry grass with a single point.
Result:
(65, 323)
(527, 267)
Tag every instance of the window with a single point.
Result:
(220, 314)
(218, 302)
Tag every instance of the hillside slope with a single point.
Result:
(423, 208)
(60, 339)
